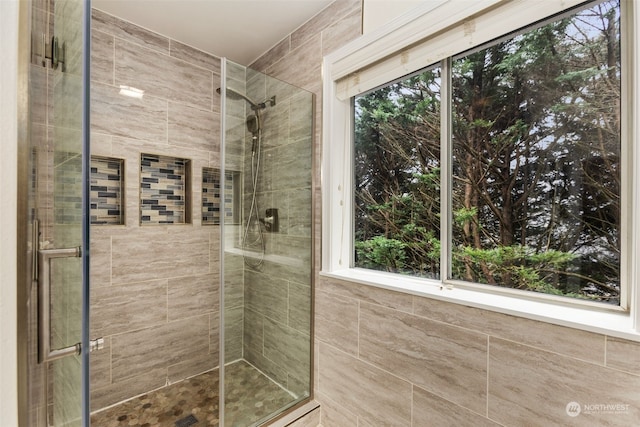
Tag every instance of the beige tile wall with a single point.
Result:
(154, 288)
(388, 358)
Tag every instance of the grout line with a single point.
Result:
(411, 404)
(488, 358)
(358, 334)
(113, 71)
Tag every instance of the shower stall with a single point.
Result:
(191, 280)
(266, 244)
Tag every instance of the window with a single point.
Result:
(495, 169)
(397, 176)
(535, 163)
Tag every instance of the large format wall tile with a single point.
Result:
(266, 295)
(192, 366)
(100, 366)
(287, 347)
(102, 57)
(535, 386)
(337, 321)
(253, 335)
(302, 66)
(193, 127)
(101, 397)
(293, 165)
(334, 414)
(100, 261)
(369, 392)
(192, 295)
(431, 410)
(163, 76)
(109, 24)
(117, 309)
(118, 115)
(233, 333)
(571, 342)
(299, 303)
(334, 12)
(623, 355)
(276, 53)
(137, 352)
(156, 253)
(443, 359)
(396, 300)
(341, 32)
(195, 56)
(233, 288)
(178, 116)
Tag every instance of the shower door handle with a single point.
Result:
(45, 353)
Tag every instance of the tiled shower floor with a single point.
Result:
(250, 397)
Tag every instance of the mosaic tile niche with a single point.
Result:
(164, 190)
(211, 196)
(106, 190)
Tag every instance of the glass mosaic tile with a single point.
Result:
(164, 189)
(106, 190)
(211, 196)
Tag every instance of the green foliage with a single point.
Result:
(380, 251)
(535, 163)
(517, 266)
(463, 215)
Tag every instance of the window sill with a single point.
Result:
(616, 324)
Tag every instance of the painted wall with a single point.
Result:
(9, 194)
(389, 358)
(378, 12)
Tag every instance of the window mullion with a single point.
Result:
(445, 170)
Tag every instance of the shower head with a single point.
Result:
(253, 124)
(238, 97)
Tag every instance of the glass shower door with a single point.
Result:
(266, 247)
(60, 231)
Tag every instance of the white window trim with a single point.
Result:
(398, 49)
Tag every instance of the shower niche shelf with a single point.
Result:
(107, 185)
(164, 190)
(211, 197)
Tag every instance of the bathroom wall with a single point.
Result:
(154, 287)
(389, 358)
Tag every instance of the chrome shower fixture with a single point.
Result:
(255, 106)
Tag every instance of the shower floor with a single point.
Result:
(251, 396)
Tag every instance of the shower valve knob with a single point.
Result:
(271, 222)
(97, 344)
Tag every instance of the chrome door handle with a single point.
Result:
(45, 353)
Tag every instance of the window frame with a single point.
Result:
(389, 50)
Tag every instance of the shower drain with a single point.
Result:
(186, 421)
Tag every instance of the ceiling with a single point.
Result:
(240, 30)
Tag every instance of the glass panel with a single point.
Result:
(267, 250)
(397, 177)
(536, 159)
(65, 136)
